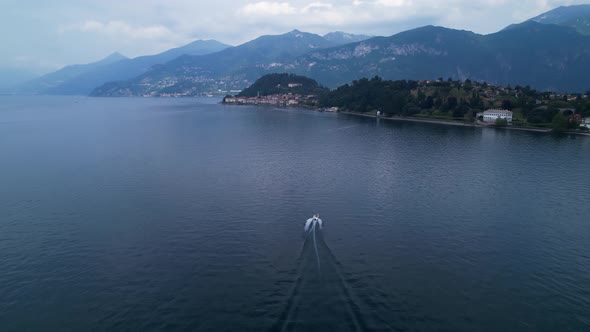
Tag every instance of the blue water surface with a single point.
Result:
(184, 214)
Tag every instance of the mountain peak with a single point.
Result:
(116, 55)
(341, 38)
(197, 47)
(111, 58)
(206, 42)
(575, 16)
(296, 33)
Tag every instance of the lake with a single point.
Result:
(184, 214)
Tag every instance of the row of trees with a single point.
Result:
(452, 99)
(364, 95)
(403, 98)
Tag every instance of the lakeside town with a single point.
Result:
(467, 102)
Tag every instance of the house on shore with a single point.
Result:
(493, 115)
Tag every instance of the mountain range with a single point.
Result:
(232, 68)
(546, 57)
(548, 52)
(82, 79)
(48, 82)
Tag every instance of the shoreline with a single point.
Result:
(454, 123)
(414, 119)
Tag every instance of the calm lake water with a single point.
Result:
(182, 214)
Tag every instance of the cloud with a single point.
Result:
(265, 8)
(35, 63)
(384, 3)
(119, 29)
(139, 27)
(316, 6)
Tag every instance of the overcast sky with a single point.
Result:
(46, 35)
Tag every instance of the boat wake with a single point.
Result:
(320, 299)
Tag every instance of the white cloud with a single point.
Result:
(35, 63)
(392, 3)
(138, 27)
(119, 29)
(265, 8)
(316, 6)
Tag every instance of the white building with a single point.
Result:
(493, 115)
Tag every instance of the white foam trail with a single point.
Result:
(342, 128)
(307, 223)
(315, 247)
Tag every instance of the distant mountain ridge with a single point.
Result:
(576, 16)
(547, 52)
(232, 68)
(82, 79)
(54, 79)
(547, 57)
(86, 78)
(544, 56)
(341, 38)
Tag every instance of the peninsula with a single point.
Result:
(438, 100)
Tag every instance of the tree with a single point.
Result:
(541, 115)
(501, 122)
(507, 105)
(460, 110)
(572, 123)
(452, 102)
(410, 109)
(427, 103)
(279, 83)
(469, 116)
(420, 96)
(438, 102)
(559, 123)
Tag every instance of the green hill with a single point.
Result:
(281, 84)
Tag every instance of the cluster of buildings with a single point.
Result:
(287, 99)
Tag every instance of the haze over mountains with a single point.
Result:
(47, 83)
(82, 79)
(232, 68)
(548, 52)
(9, 77)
